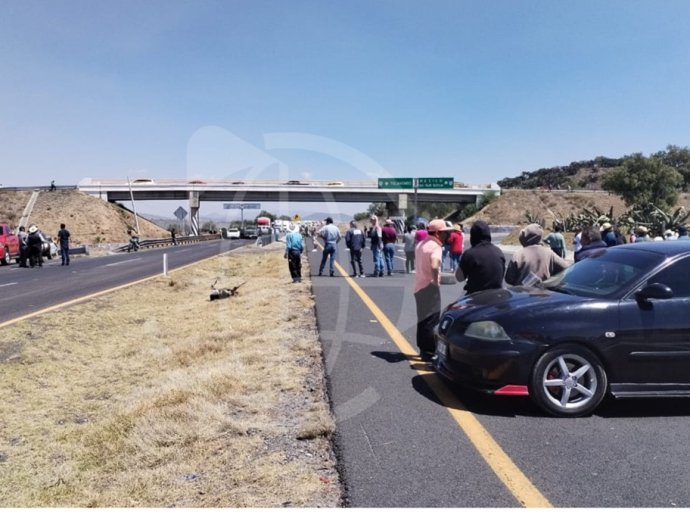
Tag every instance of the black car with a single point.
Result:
(617, 322)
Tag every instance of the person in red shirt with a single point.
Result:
(389, 237)
(456, 240)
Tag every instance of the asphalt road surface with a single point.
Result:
(27, 290)
(406, 440)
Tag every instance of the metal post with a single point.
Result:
(134, 209)
(414, 219)
(165, 264)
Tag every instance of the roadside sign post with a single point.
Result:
(180, 213)
(241, 207)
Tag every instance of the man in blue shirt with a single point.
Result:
(294, 246)
(330, 236)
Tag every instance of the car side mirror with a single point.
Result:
(654, 291)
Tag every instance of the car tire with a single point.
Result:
(568, 381)
(6, 258)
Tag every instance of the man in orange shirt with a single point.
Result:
(427, 282)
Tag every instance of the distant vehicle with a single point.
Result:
(48, 247)
(336, 184)
(9, 245)
(263, 225)
(238, 182)
(233, 233)
(250, 233)
(143, 181)
(294, 182)
(197, 182)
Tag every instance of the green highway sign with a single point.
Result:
(434, 183)
(396, 183)
(241, 206)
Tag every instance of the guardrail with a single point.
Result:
(166, 242)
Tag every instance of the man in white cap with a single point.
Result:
(294, 246)
(427, 282)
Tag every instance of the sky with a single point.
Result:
(335, 89)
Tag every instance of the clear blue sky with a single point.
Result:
(346, 89)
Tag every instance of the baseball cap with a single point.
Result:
(438, 225)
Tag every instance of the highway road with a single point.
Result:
(406, 440)
(26, 290)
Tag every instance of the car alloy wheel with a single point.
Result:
(6, 258)
(568, 381)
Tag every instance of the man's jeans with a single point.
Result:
(329, 250)
(389, 253)
(378, 261)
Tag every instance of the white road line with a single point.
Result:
(122, 262)
(8, 284)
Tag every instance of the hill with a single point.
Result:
(577, 175)
(512, 206)
(89, 219)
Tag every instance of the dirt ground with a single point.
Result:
(90, 220)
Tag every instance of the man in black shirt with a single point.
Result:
(63, 239)
(483, 264)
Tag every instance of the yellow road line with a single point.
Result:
(501, 464)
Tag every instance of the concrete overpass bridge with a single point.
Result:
(196, 191)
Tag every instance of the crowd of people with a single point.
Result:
(430, 250)
(31, 246)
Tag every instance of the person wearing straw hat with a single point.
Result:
(294, 246)
(35, 247)
(456, 242)
(642, 234)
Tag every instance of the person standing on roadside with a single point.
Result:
(421, 232)
(294, 246)
(35, 247)
(591, 242)
(330, 236)
(354, 240)
(376, 245)
(483, 264)
(389, 236)
(456, 241)
(427, 283)
(607, 234)
(23, 247)
(63, 239)
(533, 262)
(556, 240)
(409, 244)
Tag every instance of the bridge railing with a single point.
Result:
(166, 242)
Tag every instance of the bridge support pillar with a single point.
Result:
(194, 212)
(392, 208)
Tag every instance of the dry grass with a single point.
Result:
(154, 396)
